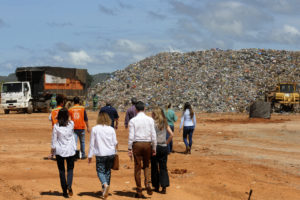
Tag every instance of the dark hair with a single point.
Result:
(187, 105)
(76, 100)
(133, 101)
(140, 106)
(63, 117)
(169, 105)
(59, 99)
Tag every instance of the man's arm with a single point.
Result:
(131, 134)
(130, 138)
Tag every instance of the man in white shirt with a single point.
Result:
(142, 138)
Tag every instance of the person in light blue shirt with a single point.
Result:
(188, 121)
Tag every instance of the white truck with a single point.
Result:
(16, 96)
(36, 86)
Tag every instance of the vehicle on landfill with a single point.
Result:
(36, 85)
(285, 97)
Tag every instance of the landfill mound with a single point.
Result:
(212, 80)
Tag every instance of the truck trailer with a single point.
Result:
(36, 86)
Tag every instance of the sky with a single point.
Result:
(108, 35)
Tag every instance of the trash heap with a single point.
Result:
(212, 80)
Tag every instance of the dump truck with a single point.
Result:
(285, 97)
(36, 86)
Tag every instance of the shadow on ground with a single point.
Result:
(52, 193)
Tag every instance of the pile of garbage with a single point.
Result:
(212, 80)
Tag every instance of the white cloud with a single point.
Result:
(58, 58)
(108, 54)
(80, 58)
(291, 30)
(127, 45)
(286, 35)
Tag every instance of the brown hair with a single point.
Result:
(187, 105)
(159, 118)
(103, 119)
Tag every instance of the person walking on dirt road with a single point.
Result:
(79, 117)
(171, 118)
(131, 112)
(64, 147)
(188, 121)
(159, 171)
(141, 135)
(103, 145)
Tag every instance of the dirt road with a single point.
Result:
(231, 154)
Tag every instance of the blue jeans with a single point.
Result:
(80, 133)
(188, 131)
(170, 145)
(103, 167)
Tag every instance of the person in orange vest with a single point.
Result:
(53, 115)
(79, 117)
(60, 104)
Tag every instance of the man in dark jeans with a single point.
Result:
(113, 114)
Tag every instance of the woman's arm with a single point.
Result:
(170, 132)
(54, 140)
(182, 121)
(92, 143)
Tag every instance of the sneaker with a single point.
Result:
(105, 191)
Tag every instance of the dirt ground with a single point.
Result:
(231, 155)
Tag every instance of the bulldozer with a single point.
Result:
(285, 97)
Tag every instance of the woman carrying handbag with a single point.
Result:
(103, 145)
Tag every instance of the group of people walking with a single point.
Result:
(149, 141)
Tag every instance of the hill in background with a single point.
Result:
(10, 77)
(212, 80)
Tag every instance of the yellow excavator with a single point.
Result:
(285, 97)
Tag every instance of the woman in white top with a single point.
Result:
(103, 145)
(63, 146)
(188, 120)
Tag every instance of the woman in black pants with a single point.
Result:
(159, 171)
(64, 147)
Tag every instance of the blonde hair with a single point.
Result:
(159, 118)
(103, 119)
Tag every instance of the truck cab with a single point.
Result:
(16, 96)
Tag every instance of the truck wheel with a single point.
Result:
(30, 108)
(6, 111)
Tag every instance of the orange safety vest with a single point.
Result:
(54, 114)
(77, 116)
